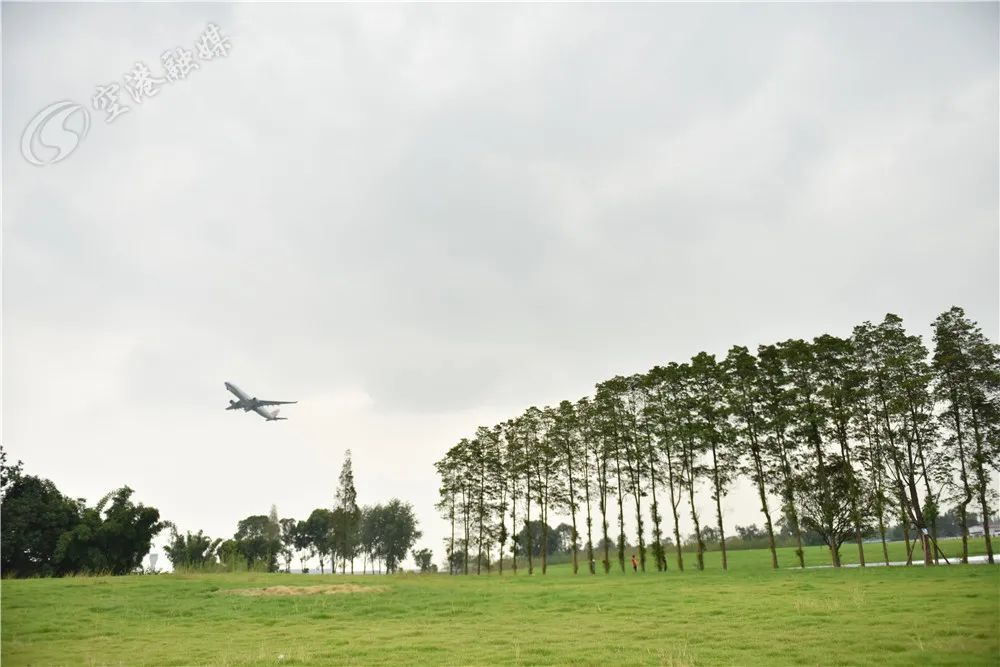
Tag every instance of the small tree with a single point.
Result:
(824, 500)
(34, 515)
(319, 532)
(288, 537)
(302, 541)
(257, 542)
(346, 517)
(111, 538)
(189, 551)
(399, 532)
(424, 560)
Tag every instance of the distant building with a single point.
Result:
(978, 531)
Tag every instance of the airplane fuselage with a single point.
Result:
(248, 403)
(244, 403)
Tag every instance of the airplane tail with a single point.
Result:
(275, 417)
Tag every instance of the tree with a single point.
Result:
(109, 538)
(33, 516)
(302, 540)
(712, 429)
(824, 497)
(424, 560)
(229, 554)
(526, 428)
(872, 457)
(512, 465)
(865, 402)
(588, 455)
(635, 452)
(288, 529)
(691, 447)
(782, 449)
(664, 383)
(448, 469)
(370, 534)
(319, 533)
(399, 532)
(808, 416)
(645, 423)
(840, 385)
(539, 535)
(500, 484)
(274, 530)
(602, 456)
(547, 468)
(898, 379)
(347, 517)
(8, 473)
(746, 405)
(258, 543)
(479, 461)
(191, 552)
(966, 370)
(566, 427)
(607, 398)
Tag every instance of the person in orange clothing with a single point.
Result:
(635, 566)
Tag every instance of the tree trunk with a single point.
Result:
(482, 519)
(789, 499)
(572, 511)
(835, 554)
(590, 522)
(689, 461)
(603, 490)
(621, 513)
(881, 531)
(986, 524)
(637, 493)
(845, 451)
(762, 493)
(718, 507)
(675, 502)
(513, 524)
(545, 532)
(527, 526)
(905, 522)
(465, 543)
(661, 559)
(983, 484)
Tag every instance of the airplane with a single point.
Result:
(247, 403)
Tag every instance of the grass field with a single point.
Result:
(749, 615)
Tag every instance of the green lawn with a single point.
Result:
(749, 615)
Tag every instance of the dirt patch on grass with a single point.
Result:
(330, 589)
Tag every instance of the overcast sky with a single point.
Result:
(419, 219)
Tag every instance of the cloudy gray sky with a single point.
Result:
(416, 219)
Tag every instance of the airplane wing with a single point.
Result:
(275, 402)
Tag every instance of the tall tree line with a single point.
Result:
(838, 436)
